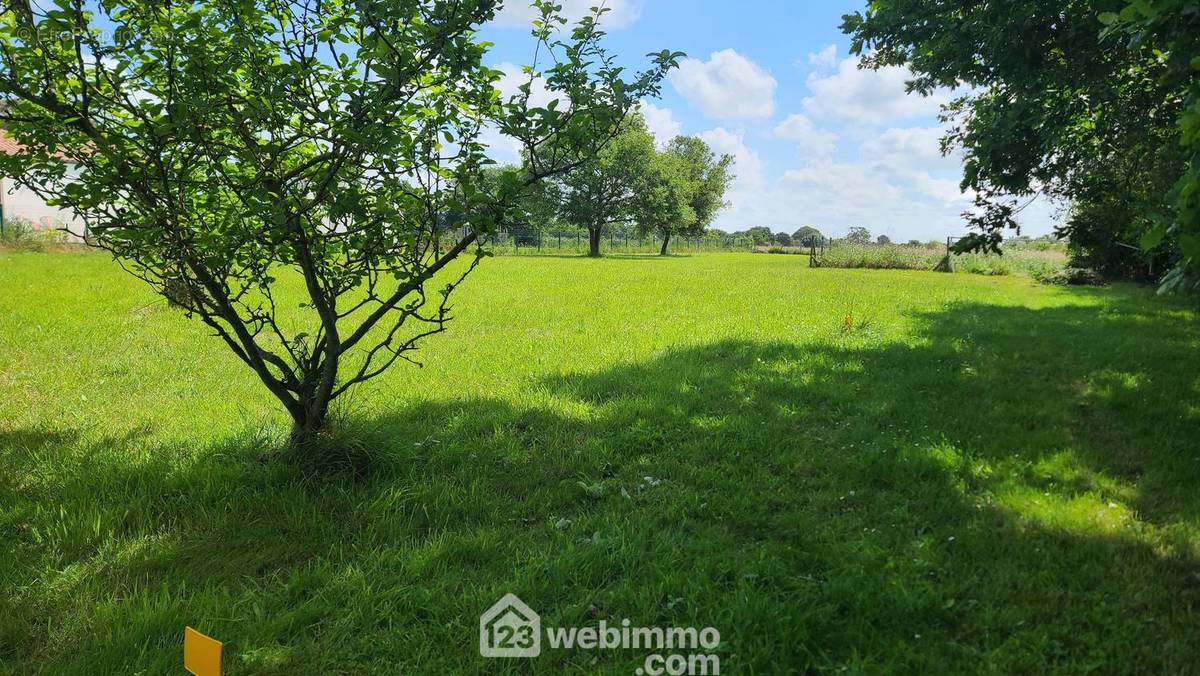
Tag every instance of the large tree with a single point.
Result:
(1168, 32)
(662, 199)
(225, 149)
(1058, 105)
(705, 177)
(759, 235)
(806, 234)
(858, 235)
(599, 192)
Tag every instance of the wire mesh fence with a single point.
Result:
(533, 242)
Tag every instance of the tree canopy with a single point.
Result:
(600, 191)
(759, 235)
(858, 235)
(630, 183)
(684, 189)
(1089, 102)
(805, 234)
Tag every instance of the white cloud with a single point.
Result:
(944, 190)
(869, 96)
(500, 148)
(621, 14)
(513, 77)
(845, 185)
(833, 196)
(826, 58)
(661, 122)
(726, 87)
(909, 146)
(748, 165)
(896, 182)
(914, 155)
(813, 143)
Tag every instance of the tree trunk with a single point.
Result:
(310, 411)
(308, 419)
(666, 240)
(594, 242)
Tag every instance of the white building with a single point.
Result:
(20, 202)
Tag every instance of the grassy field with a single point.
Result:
(838, 469)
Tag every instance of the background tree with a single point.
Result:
(600, 191)
(858, 235)
(706, 178)
(662, 202)
(883, 239)
(805, 235)
(783, 239)
(1168, 32)
(760, 235)
(224, 146)
(1063, 107)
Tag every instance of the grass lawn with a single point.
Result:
(838, 469)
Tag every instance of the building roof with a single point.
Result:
(10, 146)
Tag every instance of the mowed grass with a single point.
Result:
(838, 469)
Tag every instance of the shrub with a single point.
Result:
(879, 257)
(1074, 277)
(19, 233)
(17, 230)
(981, 264)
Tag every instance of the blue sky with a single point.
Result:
(817, 141)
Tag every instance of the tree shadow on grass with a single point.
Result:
(1012, 490)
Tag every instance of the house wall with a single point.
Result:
(21, 202)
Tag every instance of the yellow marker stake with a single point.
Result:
(201, 654)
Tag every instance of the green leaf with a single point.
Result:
(1153, 237)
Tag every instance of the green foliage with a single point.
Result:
(1074, 277)
(1039, 264)
(859, 255)
(705, 178)
(18, 233)
(883, 239)
(759, 235)
(1055, 534)
(1059, 105)
(805, 235)
(663, 199)
(600, 191)
(673, 193)
(1167, 32)
(859, 235)
(220, 145)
